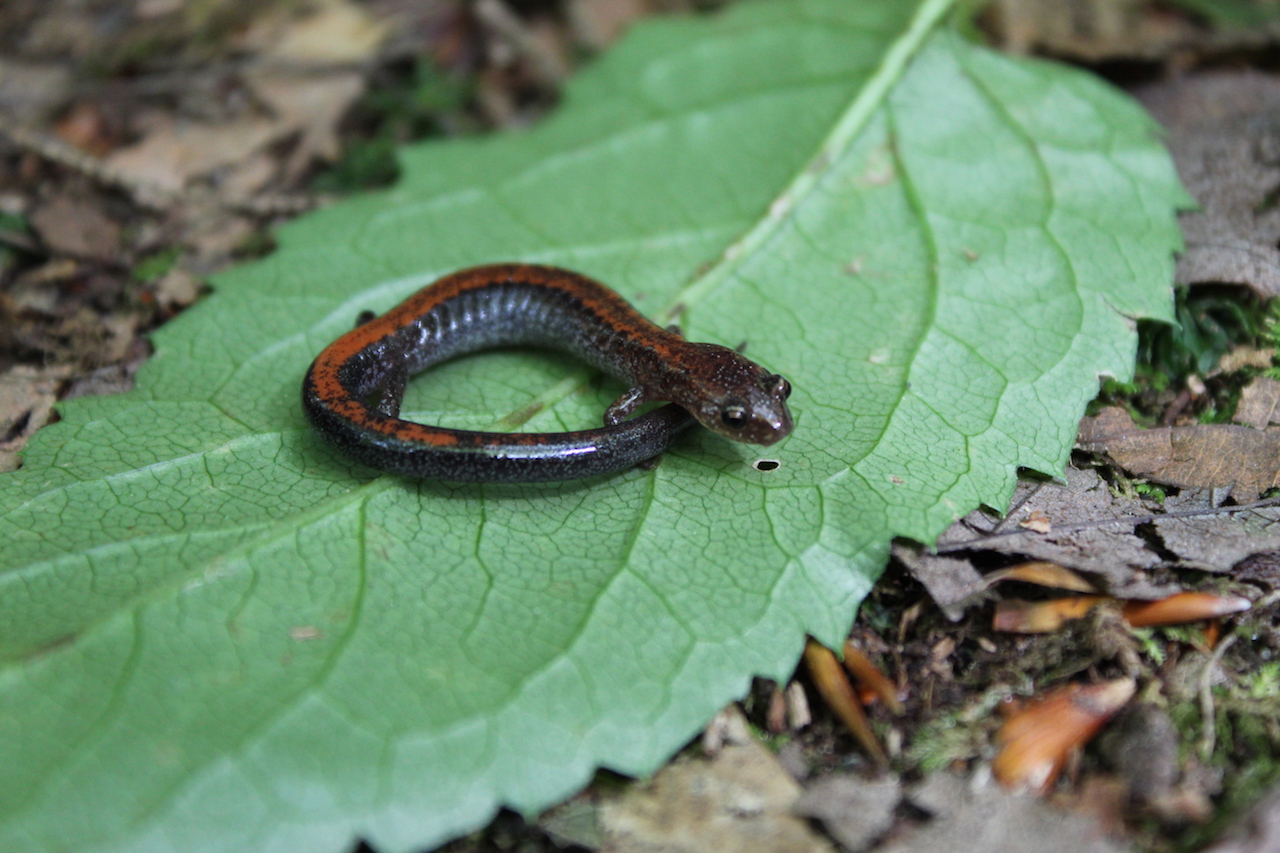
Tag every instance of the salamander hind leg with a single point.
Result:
(387, 397)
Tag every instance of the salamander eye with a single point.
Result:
(784, 388)
(734, 417)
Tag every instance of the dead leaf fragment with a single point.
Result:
(1259, 403)
(1261, 568)
(1037, 522)
(1216, 542)
(854, 811)
(311, 103)
(1224, 137)
(27, 397)
(77, 228)
(174, 154)
(1212, 456)
(337, 32)
(968, 815)
(741, 800)
(953, 583)
(600, 22)
(29, 92)
(729, 726)
(798, 714)
(1092, 30)
(1036, 741)
(1091, 534)
(1240, 357)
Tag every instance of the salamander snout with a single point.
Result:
(735, 397)
(758, 414)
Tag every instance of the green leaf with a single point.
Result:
(219, 635)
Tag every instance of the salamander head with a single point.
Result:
(735, 397)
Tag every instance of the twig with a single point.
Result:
(146, 194)
(1267, 600)
(498, 17)
(56, 151)
(1209, 736)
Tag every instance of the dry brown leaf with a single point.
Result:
(1259, 403)
(1081, 539)
(27, 397)
(729, 726)
(249, 176)
(952, 582)
(1203, 456)
(1262, 568)
(600, 22)
(740, 800)
(176, 289)
(30, 92)
(217, 236)
(1090, 29)
(311, 103)
(174, 154)
(1240, 357)
(76, 227)
(970, 816)
(1225, 140)
(1037, 522)
(1216, 542)
(853, 810)
(337, 32)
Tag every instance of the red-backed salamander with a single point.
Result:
(353, 390)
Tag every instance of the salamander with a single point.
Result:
(353, 390)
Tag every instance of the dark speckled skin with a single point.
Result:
(352, 391)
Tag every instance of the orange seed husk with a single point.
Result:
(1036, 741)
(1043, 574)
(1183, 607)
(839, 695)
(1041, 617)
(870, 676)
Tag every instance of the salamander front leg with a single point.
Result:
(625, 406)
